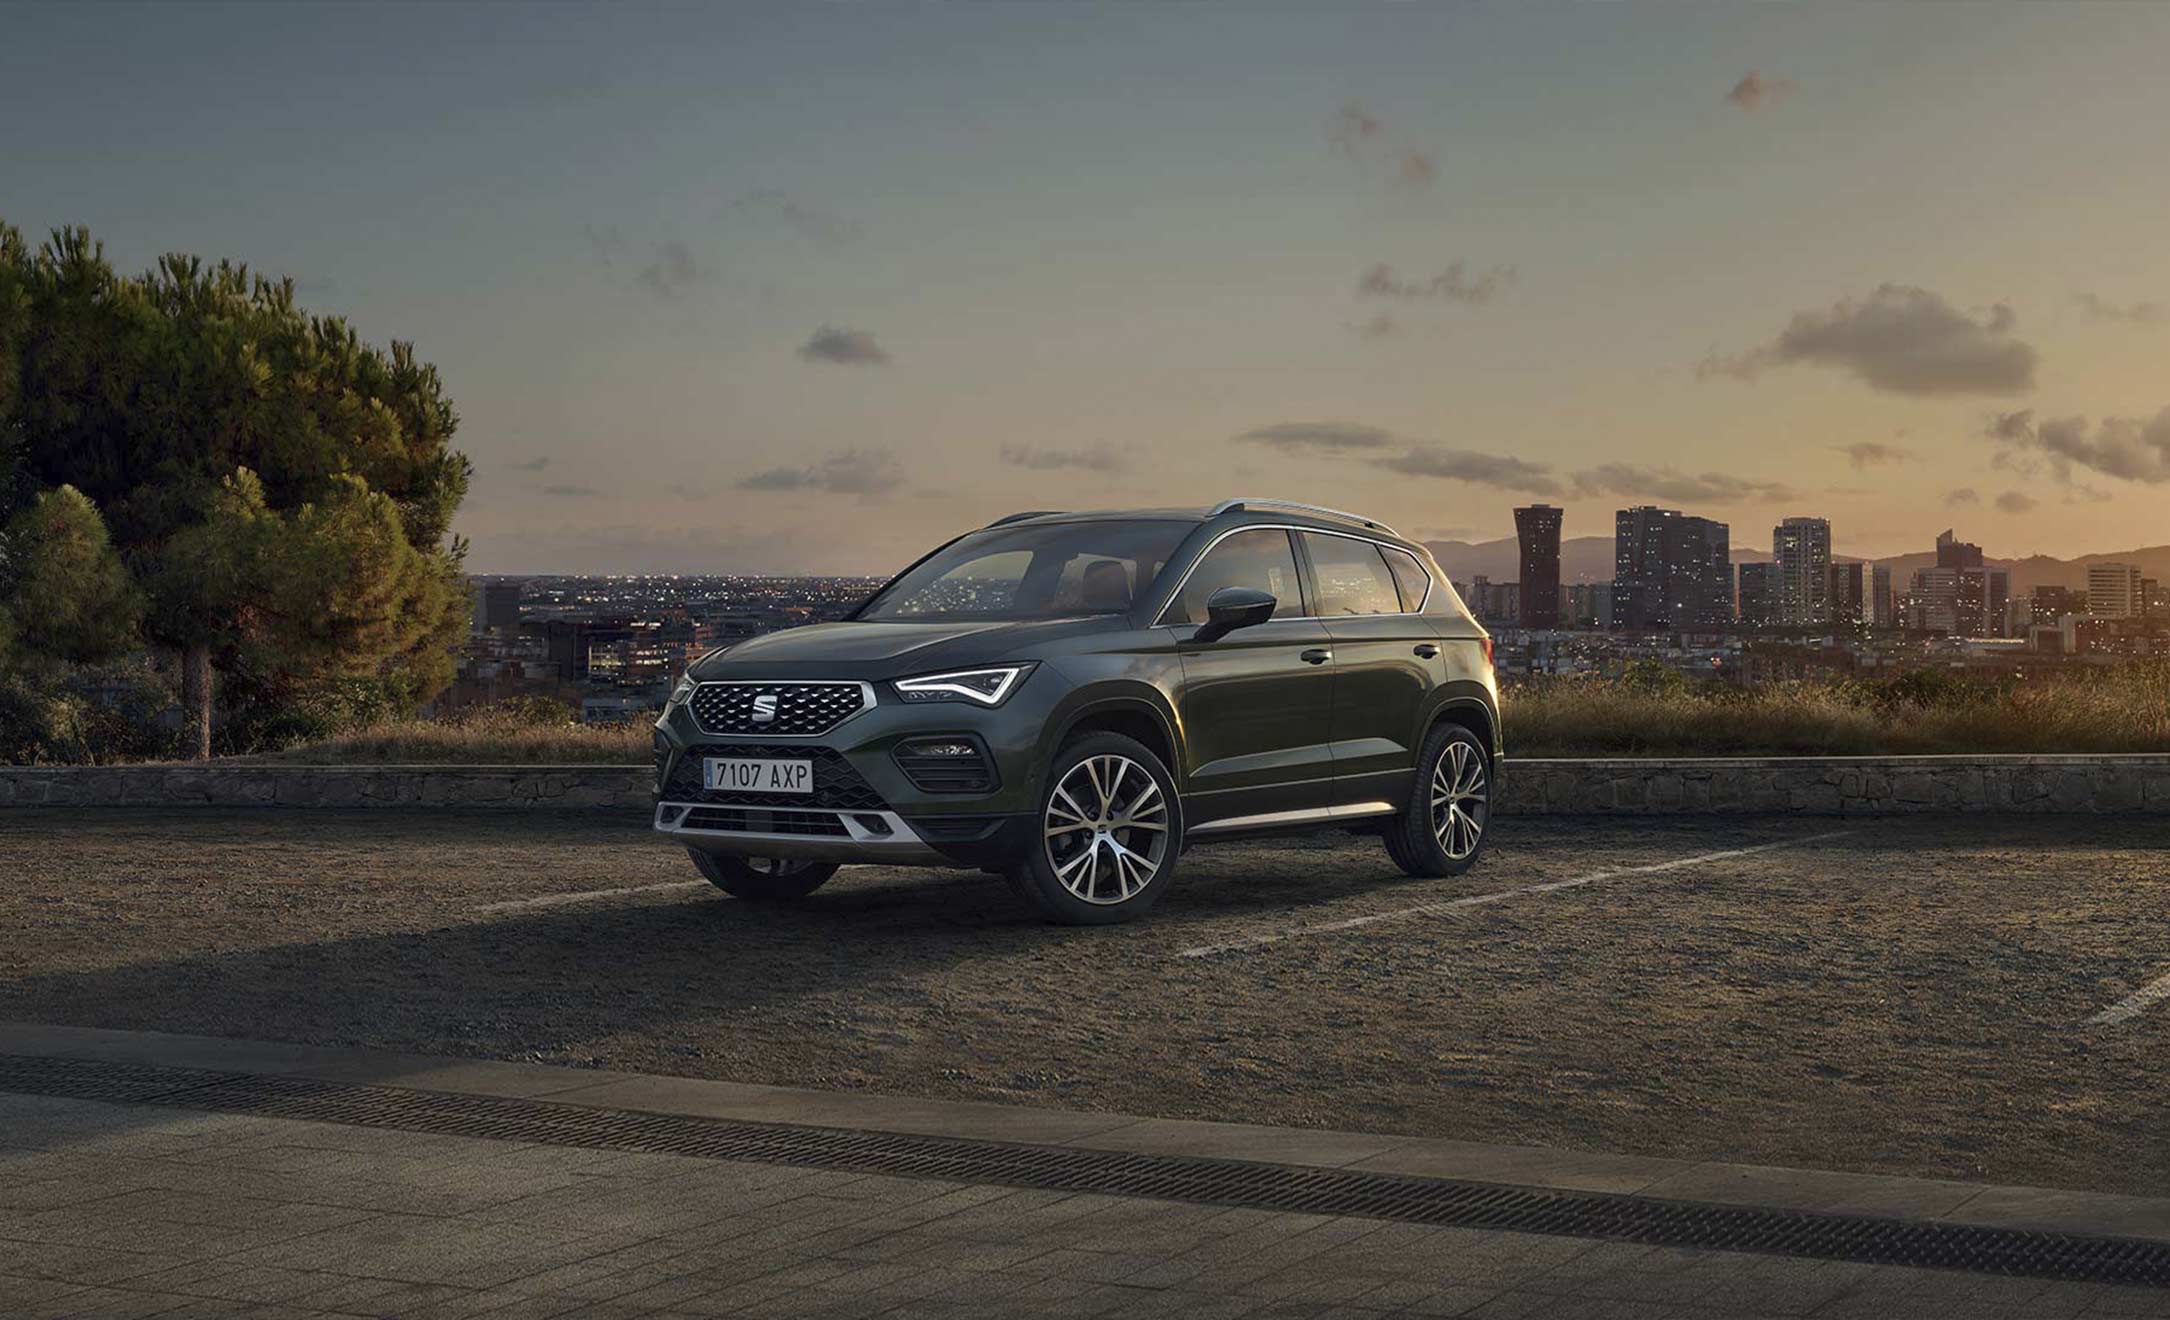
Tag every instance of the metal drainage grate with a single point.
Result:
(1619, 1218)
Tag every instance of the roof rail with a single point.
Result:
(1230, 506)
(1020, 517)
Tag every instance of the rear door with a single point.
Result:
(1386, 662)
(1255, 704)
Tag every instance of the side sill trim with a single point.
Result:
(1308, 815)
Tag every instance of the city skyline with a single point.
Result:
(808, 289)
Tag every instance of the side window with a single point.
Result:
(1352, 576)
(1409, 577)
(1260, 558)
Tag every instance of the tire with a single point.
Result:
(1108, 832)
(1442, 828)
(762, 879)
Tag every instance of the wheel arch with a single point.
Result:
(1473, 713)
(1132, 715)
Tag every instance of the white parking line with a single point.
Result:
(586, 895)
(2133, 1005)
(1474, 900)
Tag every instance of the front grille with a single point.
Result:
(836, 785)
(757, 820)
(795, 710)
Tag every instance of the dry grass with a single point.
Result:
(1649, 713)
(2116, 710)
(481, 739)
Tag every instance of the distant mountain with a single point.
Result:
(1589, 559)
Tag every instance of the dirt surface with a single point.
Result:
(1909, 997)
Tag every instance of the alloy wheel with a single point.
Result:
(1106, 829)
(1460, 805)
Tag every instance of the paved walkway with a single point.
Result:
(144, 1209)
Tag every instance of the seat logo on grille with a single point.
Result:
(764, 708)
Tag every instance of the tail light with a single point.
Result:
(1487, 653)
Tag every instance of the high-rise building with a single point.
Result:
(1845, 596)
(1758, 595)
(1883, 609)
(1962, 602)
(1670, 570)
(497, 607)
(2113, 591)
(1801, 548)
(1952, 552)
(2049, 605)
(1590, 604)
(1537, 528)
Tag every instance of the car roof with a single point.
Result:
(1232, 511)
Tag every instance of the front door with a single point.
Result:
(1256, 703)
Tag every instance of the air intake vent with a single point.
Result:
(946, 765)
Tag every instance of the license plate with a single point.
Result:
(742, 775)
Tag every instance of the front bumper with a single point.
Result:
(865, 807)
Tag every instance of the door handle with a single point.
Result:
(1317, 655)
(1427, 651)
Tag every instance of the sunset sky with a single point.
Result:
(809, 288)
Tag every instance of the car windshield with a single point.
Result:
(1036, 571)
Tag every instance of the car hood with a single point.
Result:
(882, 650)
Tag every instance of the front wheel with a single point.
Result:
(1108, 832)
(762, 879)
(1441, 829)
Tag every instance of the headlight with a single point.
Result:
(681, 692)
(985, 687)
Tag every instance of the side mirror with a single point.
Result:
(1231, 608)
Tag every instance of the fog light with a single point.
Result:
(671, 815)
(872, 824)
(940, 748)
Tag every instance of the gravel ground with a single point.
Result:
(1909, 997)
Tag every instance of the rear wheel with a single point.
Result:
(1109, 830)
(1441, 829)
(762, 879)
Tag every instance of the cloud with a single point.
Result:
(822, 228)
(1362, 135)
(1869, 453)
(1469, 465)
(2015, 501)
(1382, 326)
(1755, 91)
(850, 472)
(1902, 340)
(2129, 448)
(845, 348)
(672, 272)
(1051, 460)
(1962, 497)
(1318, 435)
(535, 464)
(1668, 483)
(1454, 284)
(572, 492)
(2146, 313)
(1352, 126)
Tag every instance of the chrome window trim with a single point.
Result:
(1160, 620)
(866, 703)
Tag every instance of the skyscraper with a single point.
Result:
(1952, 552)
(2113, 591)
(1801, 547)
(1847, 603)
(1757, 595)
(1537, 528)
(1883, 609)
(1670, 570)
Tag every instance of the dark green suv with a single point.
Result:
(1071, 699)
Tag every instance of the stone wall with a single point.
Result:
(1827, 785)
(524, 786)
